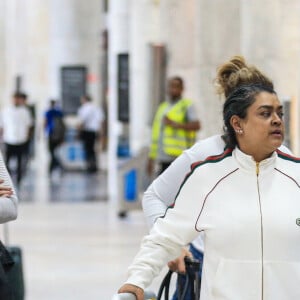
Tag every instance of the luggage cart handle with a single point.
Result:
(129, 296)
(124, 296)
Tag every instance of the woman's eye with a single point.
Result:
(280, 114)
(266, 114)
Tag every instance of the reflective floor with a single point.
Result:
(74, 245)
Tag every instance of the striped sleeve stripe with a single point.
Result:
(288, 156)
(210, 159)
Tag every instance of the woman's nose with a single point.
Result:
(277, 120)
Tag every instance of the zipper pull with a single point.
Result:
(257, 168)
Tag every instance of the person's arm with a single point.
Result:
(167, 237)
(190, 125)
(101, 120)
(8, 197)
(1, 124)
(192, 122)
(162, 192)
(80, 117)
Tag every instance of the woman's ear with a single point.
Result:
(235, 122)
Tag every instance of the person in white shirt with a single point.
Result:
(16, 123)
(91, 118)
(235, 198)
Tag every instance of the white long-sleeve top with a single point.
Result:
(90, 116)
(250, 216)
(16, 122)
(8, 205)
(162, 192)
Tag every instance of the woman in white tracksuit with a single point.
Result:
(245, 201)
(162, 192)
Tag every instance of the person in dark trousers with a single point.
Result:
(54, 141)
(16, 123)
(90, 118)
(30, 142)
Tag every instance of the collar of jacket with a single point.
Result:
(247, 163)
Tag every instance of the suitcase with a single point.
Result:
(15, 272)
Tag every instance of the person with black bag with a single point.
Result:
(8, 212)
(55, 129)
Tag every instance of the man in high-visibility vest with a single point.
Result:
(174, 127)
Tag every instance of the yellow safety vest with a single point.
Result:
(174, 140)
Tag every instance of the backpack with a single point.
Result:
(57, 134)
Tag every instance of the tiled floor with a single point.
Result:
(74, 245)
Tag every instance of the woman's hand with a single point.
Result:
(133, 289)
(5, 191)
(178, 265)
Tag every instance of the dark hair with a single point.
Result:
(23, 95)
(52, 102)
(20, 95)
(237, 103)
(179, 79)
(87, 98)
(237, 72)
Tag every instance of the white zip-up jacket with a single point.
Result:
(250, 216)
(163, 190)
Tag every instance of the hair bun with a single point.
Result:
(237, 72)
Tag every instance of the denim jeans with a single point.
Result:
(182, 277)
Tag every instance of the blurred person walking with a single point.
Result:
(8, 212)
(30, 141)
(55, 130)
(174, 127)
(16, 124)
(91, 118)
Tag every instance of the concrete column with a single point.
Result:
(15, 46)
(75, 39)
(261, 33)
(41, 36)
(272, 42)
(144, 25)
(2, 52)
(218, 39)
(178, 21)
(37, 52)
(118, 25)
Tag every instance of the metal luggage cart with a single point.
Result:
(71, 152)
(131, 182)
